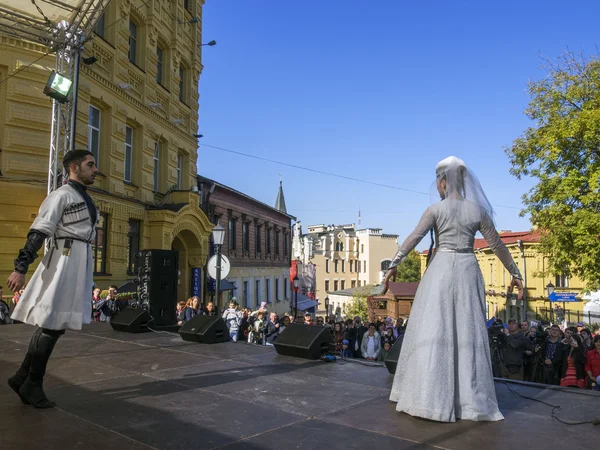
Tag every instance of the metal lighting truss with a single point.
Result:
(61, 26)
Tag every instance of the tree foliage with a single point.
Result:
(562, 151)
(358, 306)
(410, 268)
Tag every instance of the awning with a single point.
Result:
(225, 285)
(304, 302)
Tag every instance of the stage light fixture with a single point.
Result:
(89, 60)
(58, 87)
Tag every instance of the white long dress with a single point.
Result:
(444, 371)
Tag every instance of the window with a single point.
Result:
(335, 285)
(128, 153)
(343, 268)
(362, 248)
(268, 240)
(385, 264)
(358, 266)
(491, 282)
(246, 293)
(133, 245)
(285, 287)
(178, 171)
(326, 285)
(132, 42)
(257, 292)
(94, 133)
(268, 289)
(335, 265)
(351, 262)
(99, 28)
(159, 65)
(182, 92)
(343, 284)
(246, 236)
(187, 5)
(156, 161)
(277, 299)
(327, 265)
(99, 245)
(285, 244)
(277, 242)
(365, 267)
(232, 236)
(258, 239)
(561, 281)
(353, 283)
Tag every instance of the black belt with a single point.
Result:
(72, 238)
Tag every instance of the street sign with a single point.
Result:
(212, 267)
(563, 297)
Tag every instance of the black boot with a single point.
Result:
(31, 390)
(16, 381)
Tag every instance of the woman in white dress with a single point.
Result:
(447, 374)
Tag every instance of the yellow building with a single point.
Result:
(524, 248)
(137, 112)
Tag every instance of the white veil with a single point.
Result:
(460, 182)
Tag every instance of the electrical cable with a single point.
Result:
(595, 421)
(27, 66)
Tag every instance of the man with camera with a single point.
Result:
(513, 352)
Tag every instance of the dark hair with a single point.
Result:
(585, 329)
(112, 286)
(512, 320)
(597, 338)
(373, 324)
(75, 157)
(572, 329)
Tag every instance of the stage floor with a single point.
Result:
(155, 391)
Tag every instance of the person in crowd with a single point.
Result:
(350, 334)
(244, 329)
(210, 309)
(586, 339)
(361, 330)
(513, 352)
(284, 323)
(320, 321)
(573, 369)
(385, 351)
(569, 332)
(371, 344)
(272, 328)
(112, 300)
(308, 320)
(524, 328)
(338, 336)
(193, 308)
(180, 312)
(346, 351)
(4, 310)
(257, 334)
(554, 355)
(233, 319)
(592, 363)
(96, 313)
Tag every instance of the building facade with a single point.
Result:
(345, 258)
(137, 111)
(524, 248)
(257, 244)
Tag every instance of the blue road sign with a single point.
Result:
(563, 297)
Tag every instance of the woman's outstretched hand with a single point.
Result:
(388, 276)
(519, 285)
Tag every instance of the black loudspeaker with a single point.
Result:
(130, 320)
(303, 341)
(391, 362)
(205, 330)
(158, 285)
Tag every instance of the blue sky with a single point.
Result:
(378, 90)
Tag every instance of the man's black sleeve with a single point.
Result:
(28, 254)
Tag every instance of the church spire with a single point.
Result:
(280, 202)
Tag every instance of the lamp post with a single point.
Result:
(549, 291)
(296, 286)
(326, 308)
(218, 234)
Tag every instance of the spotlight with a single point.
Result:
(198, 136)
(58, 87)
(89, 60)
(125, 86)
(155, 105)
(191, 21)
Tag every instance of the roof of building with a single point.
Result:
(508, 237)
(404, 288)
(364, 290)
(203, 179)
(280, 202)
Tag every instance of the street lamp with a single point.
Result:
(326, 308)
(218, 234)
(211, 43)
(296, 286)
(550, 291)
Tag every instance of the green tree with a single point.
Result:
(562, 151)
(410, 268)
(358, 306)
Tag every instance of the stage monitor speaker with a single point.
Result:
(205, 330)
(158, 284)
(303, 341)
(131, 320)
(391, 362)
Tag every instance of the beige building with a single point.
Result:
(344, 257)
(138, 113)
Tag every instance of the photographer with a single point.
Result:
(517, 346)
(534, 367)
(497, 342)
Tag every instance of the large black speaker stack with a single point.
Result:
(158, 274)
(303, 341)
(205, 330)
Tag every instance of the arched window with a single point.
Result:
(385, 264)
